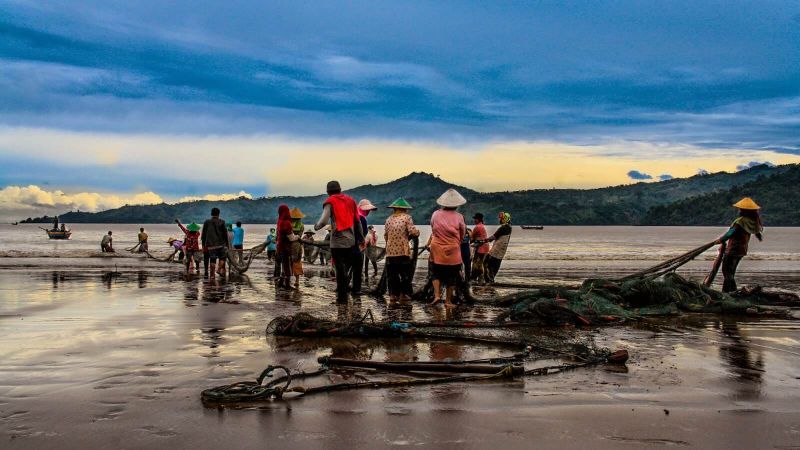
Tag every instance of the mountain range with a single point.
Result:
(698, 200)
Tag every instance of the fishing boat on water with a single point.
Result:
(58, 234)
(532, 227)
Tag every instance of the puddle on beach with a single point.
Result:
(105, 358)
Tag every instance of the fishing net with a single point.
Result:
(602, 301)
(570, 349)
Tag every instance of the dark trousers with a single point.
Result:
(729, 265)
(491, 266)
(346, 263)
(206, 260)
(366, 264)
(398, 275)
(283, 268)
(466, 259)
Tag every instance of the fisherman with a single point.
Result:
(346, 233)
(55, 223)
(63, 227)
(466, 255)
(297, 246)
(325, 255)
(177, 248)
(309, 250)
(447, 232)
(399, 228)
(283, 263)
(142, 241)
(479, 237)
(191, 245)
(238, 242)
(106, 244)
(737, 239)
(501, 237)
(371, 252)
(364, 208)
(272, 241)
(214, 237)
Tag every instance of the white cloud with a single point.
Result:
(34, 200)
(215, 197)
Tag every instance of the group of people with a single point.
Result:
(350, 239)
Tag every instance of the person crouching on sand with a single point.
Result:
(191, 245)
(106, 244)
(737, 239)
(214, 237)
(177, 248)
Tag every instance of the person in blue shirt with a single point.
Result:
(272, 244)
(238, 241)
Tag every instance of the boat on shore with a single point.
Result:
(58, 234)
(532, 227)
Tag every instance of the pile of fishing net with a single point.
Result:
(493, 333)
(548, 353)
(602, 301)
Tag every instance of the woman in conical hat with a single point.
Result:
(737, 240)
(399, 228)
(447, 232)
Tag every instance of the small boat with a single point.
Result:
(58, 234)
(532, 227)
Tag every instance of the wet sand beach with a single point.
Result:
(114, 352)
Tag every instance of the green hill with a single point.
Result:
(669, 202)
(777, 194)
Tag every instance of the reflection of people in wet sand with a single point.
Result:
(106, 244)
(749, 369)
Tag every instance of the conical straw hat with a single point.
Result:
(746, 203)
(366, 205)
(295, 213)
(451, 199)
(193, 227)
(400, 203)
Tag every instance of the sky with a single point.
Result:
(104, 103)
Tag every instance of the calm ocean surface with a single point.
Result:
(554, 254)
